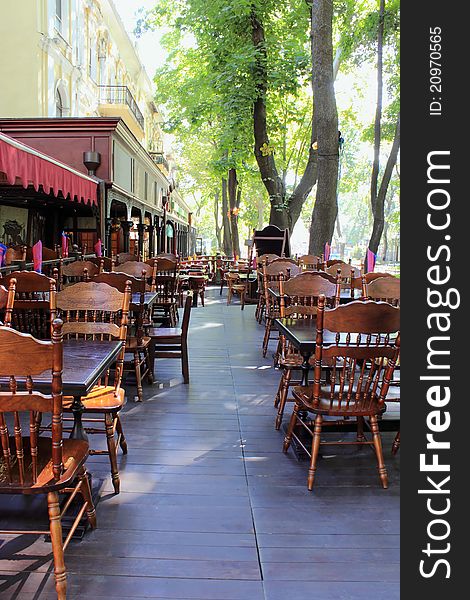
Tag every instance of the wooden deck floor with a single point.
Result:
(211, 508)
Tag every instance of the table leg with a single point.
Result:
(305, 367)
(78, 432)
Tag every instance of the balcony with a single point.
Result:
(117, 100)
(160, 160)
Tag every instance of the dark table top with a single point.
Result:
(302, 333)
(149, 299)
(84, 363)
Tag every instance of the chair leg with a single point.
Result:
(120, 432)
(315, 448)
(285, 381)
(242, 298)
(202, 297)
(378, 451)
(148, 365)
(396, 444)
(112, 450)
(360, 430)
(140, 391)
(290, 429)
(185, 363)
(57, 545)
(86, 494)
(229, 296)
(267, 335)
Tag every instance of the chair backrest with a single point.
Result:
(126, 257)
(104, 263)
(386, 289)
(266, 258)
(168, 256)
(96, 311)
(186, 316)
(139, 270)
(7, 300)
(119, 281)
(358, 282)
(79, 270)
(299, 295)
(165, 280)
(22, 357)
(166, 265)
(15, 253)
(34, 308)
(47, 254)
(310, 262)
(360, 342)
(346, 270)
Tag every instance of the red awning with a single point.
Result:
(31, 167)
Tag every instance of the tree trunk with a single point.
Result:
(325, 210)
(260, 205)
(228, 248)
(284, 212)
(378, 109)
(379, 207)
(234, 202)
(218, 228)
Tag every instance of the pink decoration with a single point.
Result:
(37, 256)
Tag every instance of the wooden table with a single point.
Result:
(84, 363)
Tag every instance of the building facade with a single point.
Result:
(72, 64)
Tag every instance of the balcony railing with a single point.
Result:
(159, 159)
(120, 94)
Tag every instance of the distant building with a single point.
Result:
(75, 85)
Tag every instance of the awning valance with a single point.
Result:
(31, 167)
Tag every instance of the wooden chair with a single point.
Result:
(347, 274)
(168, 256)
(104, 263)
(139, 270)
(310, 262)
(361, 352)
(32, 464)
(272, 273)
(235, 286)
(7, 300)
(138, 342)
(15, 253)
(165, 308)
(302, 294)
(34, 310)
(126, 257)
(358, 282)
(386, 289)
(79, 270)
(173, 342)
(266, 258)
(197, 286)
(98, 311)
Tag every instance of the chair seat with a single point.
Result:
(74, 454)
(134, 343)
(100, 399)
(361, 408)
(158, 333)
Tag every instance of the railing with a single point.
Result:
(120, 94)
(159, 159)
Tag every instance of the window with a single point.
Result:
(92, 60)
(58, 15)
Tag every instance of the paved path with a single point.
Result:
(210, 507)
